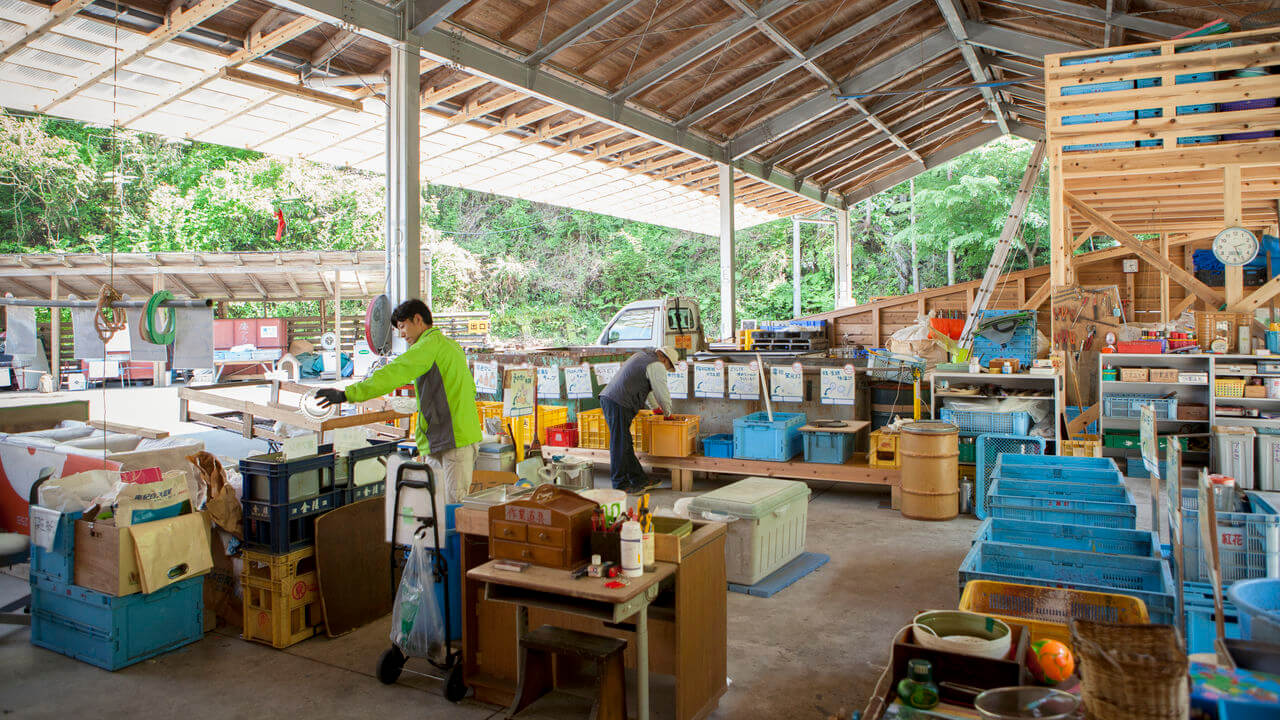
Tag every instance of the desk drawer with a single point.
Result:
(544, 556)
(548, 536)
(514, 532)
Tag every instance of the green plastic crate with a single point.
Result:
(1129, 441)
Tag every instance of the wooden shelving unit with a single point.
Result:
(1047, 389)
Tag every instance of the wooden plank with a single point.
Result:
(793, 469)
(1182, 277)
(1259, 297)
(353, 567)
(1232, 58)
(303, 92)
(129, 429)
(1182, 306)
(1038, 297)
(1213, 123)
(1126, 162)
(1226, 90)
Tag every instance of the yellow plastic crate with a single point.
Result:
(1046, 612)
(1228, 387)
(280, 597)
(592, 430)
(673, 435)
(488, 409)
(1082, 446)
(640, 436)
(884, 450)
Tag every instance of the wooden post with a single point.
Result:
(1059, 261)
(1164, 280)
(1232, 215)
(322, 315)
(337, 315)
(55, 336)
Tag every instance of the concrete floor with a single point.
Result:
(814, 650)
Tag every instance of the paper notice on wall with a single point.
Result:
(140, 350)
(678, 381)
(549, 383)
(1147, 440)
(744, 382)
(605, 372)
(486, 376)
(518, 393)
(577, 382)
(837, 385)
(87, 344)
(193, 339)
(20, 337)
(708, 380)
(786, 383)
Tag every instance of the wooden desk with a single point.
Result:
(686, 623)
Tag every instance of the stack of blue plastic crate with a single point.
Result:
(1068, 522)
(106, 630)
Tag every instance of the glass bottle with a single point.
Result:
(917, 689)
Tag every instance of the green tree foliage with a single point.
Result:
(545, 273)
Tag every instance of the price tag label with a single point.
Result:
(605, 372)
(577, 382)
(708, 380)
(486, 377)
(786, 384)
(549, 383)
(837, 385)
(678, 382)
(744, 382)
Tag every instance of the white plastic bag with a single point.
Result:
(416, 625)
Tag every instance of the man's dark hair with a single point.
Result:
(408, 309)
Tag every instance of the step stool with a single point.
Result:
(883, 451)
(538, 676)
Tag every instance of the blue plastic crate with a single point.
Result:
(286, 527)
(1135, 468)
(114, 632)
(1248, 546)
(1022, 345)
(718, 446)
(991, 446)
(1054, 490)
(1199, 139)
(1081, 538)
(1056, 510)
(1108, 57)
(1100, 87)
(755, 437)
(1201, 629)
(832, 448)
(1118, 145)
(1129, 405)
(58, 564)
(1090, 118)
(1147, 579)
(1089, 469)
(1073, 411)
(988, 421)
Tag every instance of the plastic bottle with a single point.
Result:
(632, 540)
(917, 689)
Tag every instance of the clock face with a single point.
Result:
(1235, 246)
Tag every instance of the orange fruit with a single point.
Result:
(1050, 661)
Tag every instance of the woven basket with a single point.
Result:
(1131, 672)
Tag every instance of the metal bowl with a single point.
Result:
(1026, 701)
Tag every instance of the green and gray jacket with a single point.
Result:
(437, 367)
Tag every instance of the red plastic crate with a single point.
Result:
(1149, 347)
(563, 435)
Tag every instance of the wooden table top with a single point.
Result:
(552, 580)
(850, 426)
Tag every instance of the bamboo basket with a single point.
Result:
(1131, 672)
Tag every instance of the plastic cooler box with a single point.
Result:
(496, 457)
(756, 437)
(767, 520)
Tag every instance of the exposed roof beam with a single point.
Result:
(1026, 93)
(1021, 67)
(1015, 42)
(758, 83)
(432, 95)
(182, 284)
(933, 137)
(878, 75)
(667, 12)
(176, 22)
(543, 133)
(698, 50)
(342, 102)
(940, 157)
(333, 46)
(255, 47)
(429, 13)
(573, 142)
(59, 12)
(1087, 12)
(584, 27)
(1026, 112)
(508, 123)
(955, 18)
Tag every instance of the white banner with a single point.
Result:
(708, 380)
(517, 397)
(678, 382)
(837, 385)
(549, 383)
(486, 375)
(786, 384)
(744, 382)
(605, 372)
(577, 382)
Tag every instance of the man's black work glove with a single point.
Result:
(331, 396)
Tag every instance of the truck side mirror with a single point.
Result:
(614, 336)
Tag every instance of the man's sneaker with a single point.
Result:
(646, 485)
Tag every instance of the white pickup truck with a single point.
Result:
(675, 321)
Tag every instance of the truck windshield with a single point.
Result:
(632, 325)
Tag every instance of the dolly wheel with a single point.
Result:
(454, 688)
(390, 665)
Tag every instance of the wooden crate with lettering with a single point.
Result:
(551, 528)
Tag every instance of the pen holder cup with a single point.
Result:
(608, 545)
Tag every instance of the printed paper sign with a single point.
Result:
(786, 383)
(486, 376)
(744, 382)
(708, 380)
(678, 382)
(44, 527)
(268, 331)
(517, 398)
(1147, 440)
(605, 372)
(577, 382)
(549, 383)
(837, 385)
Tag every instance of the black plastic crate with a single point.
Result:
(342, 465)
(286, 527)
(356, 493)
(267, 477)
(1254, 276)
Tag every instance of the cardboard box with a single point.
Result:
(110, 559)
(105, 558)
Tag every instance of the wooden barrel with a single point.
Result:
(930, 452)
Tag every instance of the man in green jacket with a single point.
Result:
(448, 428)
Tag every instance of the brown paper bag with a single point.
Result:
(172, 550)
(223, 505)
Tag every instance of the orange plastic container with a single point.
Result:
(673, 435)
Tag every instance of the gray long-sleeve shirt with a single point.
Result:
(642, 380)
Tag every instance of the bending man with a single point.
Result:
(641, 380)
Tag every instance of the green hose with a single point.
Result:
(148, 329)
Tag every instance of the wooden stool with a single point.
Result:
(539, 647)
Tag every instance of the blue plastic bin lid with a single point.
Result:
(750, 498)
(497, 447)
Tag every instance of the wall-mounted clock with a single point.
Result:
(1235, 246)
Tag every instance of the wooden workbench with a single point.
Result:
(687, 624)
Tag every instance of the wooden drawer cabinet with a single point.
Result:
(515, 532)
(553, 537)
(524, 552)
(550, 528)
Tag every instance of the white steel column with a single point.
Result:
(728, 266)
(795, 267)
(404, 241)
(844, 255)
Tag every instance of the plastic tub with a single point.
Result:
(756, 437)
(768, 519)
(1259, 604)
(1083, 538)
(833, 448)
(718, 446)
